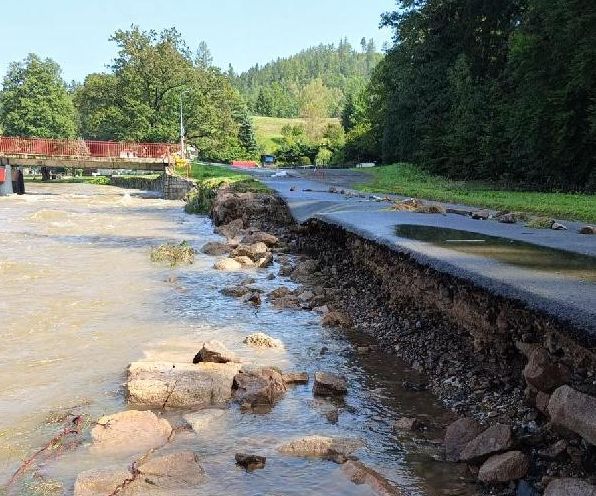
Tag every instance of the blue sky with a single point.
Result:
(242, 32)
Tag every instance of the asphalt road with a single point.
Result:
(567, 298)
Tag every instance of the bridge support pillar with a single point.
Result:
(6, 185)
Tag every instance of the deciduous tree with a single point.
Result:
(34, 101)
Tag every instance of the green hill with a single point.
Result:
(283, 88)
(268, 129)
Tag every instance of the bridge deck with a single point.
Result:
(86, 154)
(132, 163)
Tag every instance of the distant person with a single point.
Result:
(20, 190)
(15, 179)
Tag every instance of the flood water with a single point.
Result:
(80, 300)
(519, 253)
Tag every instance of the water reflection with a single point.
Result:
(518, 253)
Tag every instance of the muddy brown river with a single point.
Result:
(80, 300)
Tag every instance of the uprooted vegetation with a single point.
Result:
(173, 254)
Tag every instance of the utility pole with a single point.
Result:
(182, 151)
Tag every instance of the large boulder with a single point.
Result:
(328, 384)
(200, 420)
(215, 248)
(543, 372)
(320, 446)
(254, 251)
(574, 411)
(570, 487)
(130, 432)
(359, 473)
(173, 471)
(215, 352)
(259, 387)
(232, 229)
(253, 208)
(180, 385)
(505, 467)
(495, 439)
(103, 481)
(458, 434)
(262, 340)
(260, 237)
(159, 475)
(227, 265)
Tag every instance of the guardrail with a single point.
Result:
(84, 148)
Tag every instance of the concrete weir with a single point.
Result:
(172, 187)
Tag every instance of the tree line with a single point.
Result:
(476, 89)
(137, 99)
(317, 79)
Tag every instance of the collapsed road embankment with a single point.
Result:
(499, 360)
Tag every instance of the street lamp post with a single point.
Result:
(182, 130)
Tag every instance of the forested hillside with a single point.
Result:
(316, 80)
(485, 90)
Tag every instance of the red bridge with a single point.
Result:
(86, 154)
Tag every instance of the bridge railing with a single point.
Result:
(84, 148)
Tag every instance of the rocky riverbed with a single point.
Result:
(523, 384)
(334, 387)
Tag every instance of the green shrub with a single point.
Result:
(324, 156)
(199, 200)
(304, 160)
(99, 180)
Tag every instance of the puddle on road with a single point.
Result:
(518, 253)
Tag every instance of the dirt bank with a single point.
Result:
(486, 357)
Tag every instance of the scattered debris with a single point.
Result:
(262, 340)
(173, 254)
(587, 230)
(216, 352)
(250, 462)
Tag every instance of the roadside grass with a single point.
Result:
(408, 180)
(210, 178)
(268, 130)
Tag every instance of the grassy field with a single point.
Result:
(405, 179)
(268, 129)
